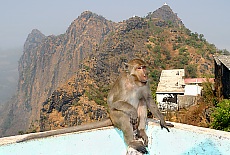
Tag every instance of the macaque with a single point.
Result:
(128, 101)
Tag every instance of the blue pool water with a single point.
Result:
(179, 141)
(83, 143)
(182, 142)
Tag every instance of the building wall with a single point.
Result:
(226, 83)
(218, 84)
(185, 101)
(192, 90)
(222, 81)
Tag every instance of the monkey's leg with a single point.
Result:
(126, 108)
(142, 116)
(122, 121)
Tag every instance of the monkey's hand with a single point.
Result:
(169, 124)
(164, 125)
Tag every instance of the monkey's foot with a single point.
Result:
(132, 151)
(137, 146)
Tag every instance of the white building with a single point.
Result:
(170, 86)
(174, 91)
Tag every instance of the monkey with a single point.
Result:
(128, 101)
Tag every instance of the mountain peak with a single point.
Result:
(33, 39)
(91, 24)
(166, 13)
(35, 31)
(86, 15)
(35, 36)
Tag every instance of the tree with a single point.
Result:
(201, 37)
(155, 74)
(225, 52)
(208, 94)
(191, 70)
(183, 51)
(221, 116)
(157, 49)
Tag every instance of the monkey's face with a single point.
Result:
(141, 73)
(138, 70)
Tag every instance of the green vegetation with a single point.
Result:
(86, 67)
(149, 46)
(97, 94)
(157, 49)
(221, 116)
(155, 74)
(21, 132)
(208, 94)
(224, 52)
(191, 70)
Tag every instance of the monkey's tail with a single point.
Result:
(88, 126)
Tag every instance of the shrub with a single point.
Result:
(155, 75)
(221, 116)
(149, 46)
(208, 94)
(191, 70)
(157, 49)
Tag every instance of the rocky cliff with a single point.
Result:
(64, 80)
(50, 61)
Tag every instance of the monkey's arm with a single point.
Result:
(155, 111)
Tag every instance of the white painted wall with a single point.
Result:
(192, 90)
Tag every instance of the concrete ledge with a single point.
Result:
(104, 125)
(99, 138)
(25, 137)
(195, 129)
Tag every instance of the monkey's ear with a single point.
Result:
(126, 66)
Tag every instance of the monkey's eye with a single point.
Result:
(142, 67)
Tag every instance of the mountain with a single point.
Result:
(64, 79)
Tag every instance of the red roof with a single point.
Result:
(197, 80)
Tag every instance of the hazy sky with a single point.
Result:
(19, 17)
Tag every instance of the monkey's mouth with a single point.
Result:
(144, 82)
